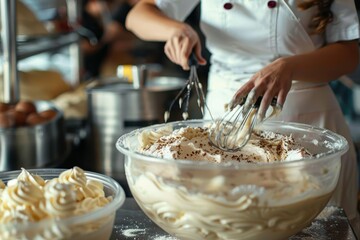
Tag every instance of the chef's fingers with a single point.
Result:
(199, 57)
(186, 49)
(240, 95)
(265, 103)
(233, 102)
(176, 43)
(169, 51)
(281, 98)
(251, 98)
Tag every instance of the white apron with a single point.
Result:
(246, 35)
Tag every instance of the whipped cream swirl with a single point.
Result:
(60, 200)
(21, 201)
(29, 198)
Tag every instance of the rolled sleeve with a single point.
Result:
(176, 9)
(345, 25)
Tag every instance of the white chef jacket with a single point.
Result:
(249, 34)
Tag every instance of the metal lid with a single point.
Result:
(121, 85)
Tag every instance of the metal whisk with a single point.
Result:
(183, 97)
(233, 130)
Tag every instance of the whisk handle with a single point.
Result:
(258, 102)
(193, 60)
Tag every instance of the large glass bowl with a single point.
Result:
(94, 225)
(202, 200)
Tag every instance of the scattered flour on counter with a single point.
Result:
(315, 142)
(327, 212)
(133, 232)
(164, 238)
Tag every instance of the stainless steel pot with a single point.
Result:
(42, 145)
(116, 107)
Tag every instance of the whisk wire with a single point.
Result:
(177, 97)
(201, 96)
(231, 136)
(186, 91)
(233, 130)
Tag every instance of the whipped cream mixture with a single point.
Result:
(30, 198)
(193, 144)
(226, 203)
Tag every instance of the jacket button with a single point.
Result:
(228, 6)
(271, 4)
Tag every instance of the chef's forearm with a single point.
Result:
(149, 23)
(325, 64)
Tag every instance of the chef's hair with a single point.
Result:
(323, 16)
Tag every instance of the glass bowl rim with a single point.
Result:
(117, 202)
(121, 146)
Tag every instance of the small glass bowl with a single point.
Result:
(94, 225)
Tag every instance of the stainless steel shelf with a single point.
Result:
(15, 49)
(32, 46)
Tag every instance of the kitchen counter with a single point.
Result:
(132, 223)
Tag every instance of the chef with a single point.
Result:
(288, 49)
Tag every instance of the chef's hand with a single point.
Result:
(180, 45)
(274, 80)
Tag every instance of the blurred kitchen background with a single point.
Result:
(77, 56)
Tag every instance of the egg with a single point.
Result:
(26, 107)
(48, 114)
(19, 118)
(6, 121)
(34, 119)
